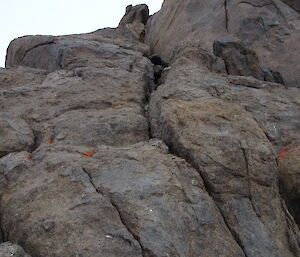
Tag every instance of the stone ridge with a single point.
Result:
(169, 136)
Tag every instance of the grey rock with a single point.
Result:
(270, 28)
(293, 3)
(16, 134)
(123, 201)
(135, 20)
(289, 175)
(196, 114)
(238, 59)
(8, 249)
(109, 153)
(135, 13)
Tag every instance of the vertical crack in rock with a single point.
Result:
(114, 205)
(2, 234)
(233, 234)
(291, 231)
(126, 226)
(37, 141)
(249, 180)
(206, 187)
(226, 16)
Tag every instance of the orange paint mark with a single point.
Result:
(282, 154)
(89, 154)
(51, 141)
(29, 157)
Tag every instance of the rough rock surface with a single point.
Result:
(109, 150)
(8, 249)
(201, 119)
(269, 27)
(135, 20)
(289, 175)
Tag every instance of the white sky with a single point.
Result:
(60, 17)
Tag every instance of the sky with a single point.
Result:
(60, 17)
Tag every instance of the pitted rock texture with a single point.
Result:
(193, 114)
(289, 175)
(270, 27)
(110, 150)
(8, 249)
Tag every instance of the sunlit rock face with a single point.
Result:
(175, 135)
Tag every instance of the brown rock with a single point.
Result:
(135, 20)
(135, 13)
(289, 175)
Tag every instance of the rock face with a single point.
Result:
(135, 20)
(8, 249)
(289, 165)
(109, 150)
(270, 27)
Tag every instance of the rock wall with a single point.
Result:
(270, 27)
(176, 147)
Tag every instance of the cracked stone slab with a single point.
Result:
(192, 112)
(16, 134)
(100, 102)
(120, 202)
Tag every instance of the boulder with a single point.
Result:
(135, 20)
(135, 13)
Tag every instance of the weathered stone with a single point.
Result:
(224, 142)
(270, 28)
(120, 202)
(289, 175)
(8, 249)
(69, 52)
(135, 13)
(293, 3)
(135, 20)
(238, 59)
(81, 173)
(16, 134)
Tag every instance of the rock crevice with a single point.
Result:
(171, 135)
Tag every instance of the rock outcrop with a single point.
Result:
(135, 20)
(185, 146)
(269, 27)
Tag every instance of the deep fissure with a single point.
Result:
(137, 239)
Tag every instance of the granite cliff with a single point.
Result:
(173, 135)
